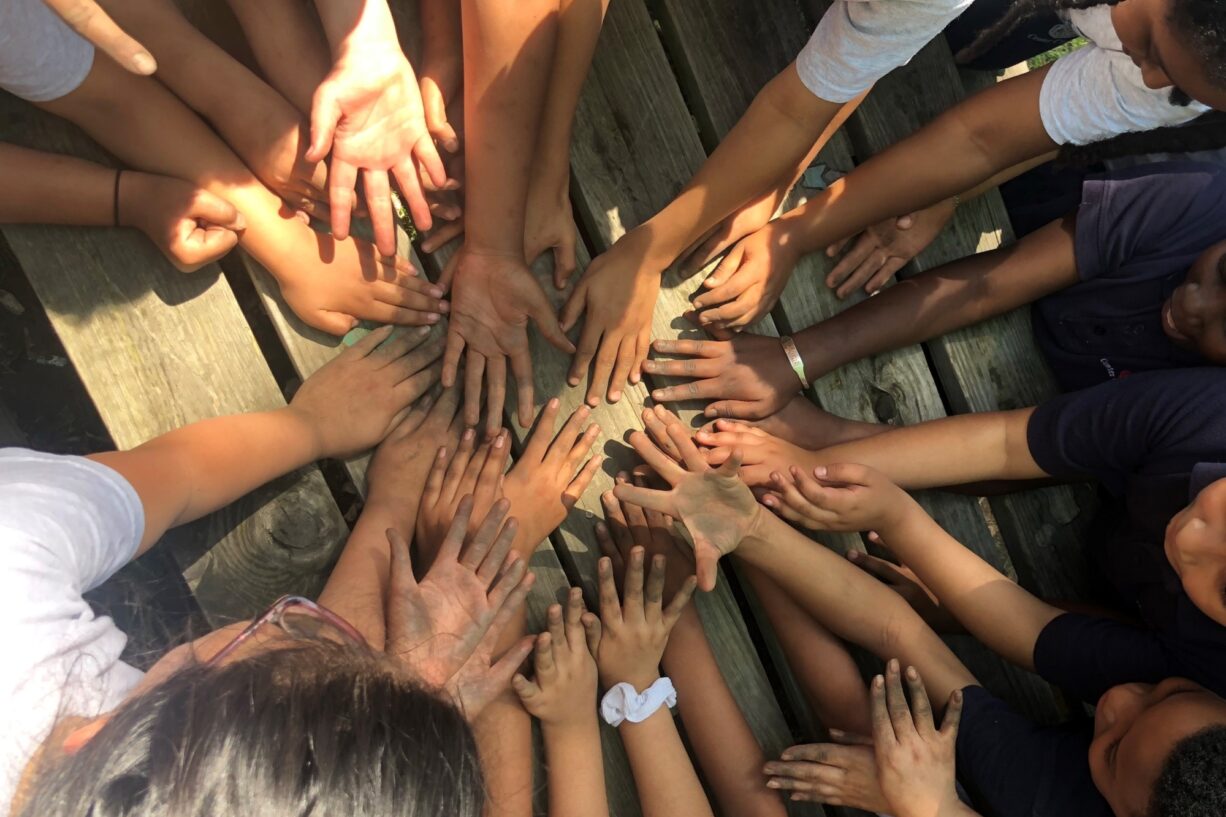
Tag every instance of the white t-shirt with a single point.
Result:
(41, 58)
(66, 525)
(1094, 93)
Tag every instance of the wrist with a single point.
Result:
(639, 678)
(574, 728)
(306, 427)
(903, 520)
(792, 234)
(135, 188)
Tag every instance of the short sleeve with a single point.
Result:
(67, 520)
(1088, 655)
(857, 42)
(1161, 422)
(1164, 210)
(1094, 94)
(41, 58)
(1012, 767)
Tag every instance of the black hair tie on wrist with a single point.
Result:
(115, 198)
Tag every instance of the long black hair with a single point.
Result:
(312, 731)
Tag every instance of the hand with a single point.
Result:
(618, 293)
(634, 630)
(443, 628)
(192, 227)
(549, 224)
(331, 284)
(885, 248)
(562, 692)
(905, 583)
(915, 760)
(747, 283)
(627, 526)
(92, 23)
(441, 83)
(368, 113)
(840, 498)
(747, 220)
(458, 476)
(359, 396)
(747, 377)
(841, 773)
(762, 454)
(550, 476)
(402, 461)
(800, 423)
(494, 298)
(715, 506)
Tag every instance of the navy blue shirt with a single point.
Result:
(1152, 440)
(1139, 230)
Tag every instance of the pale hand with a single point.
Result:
(368, 113)
(746, 377)
(840, 498)
(748, 282)
(562, 692)
(192, 227)
(358, 397)
(884, 248)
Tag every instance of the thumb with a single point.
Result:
(843, 473)
(905, 222)
(706, 563)
(849, 738)
(92, 23)
(732, 465)
(325, 320)
(730, 264)
(216, 210)
(325, 113)
(837, 247)
(551, 330)
(401, 577)
(212, 243)
(564, 263)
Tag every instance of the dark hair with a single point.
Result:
(1193, 779)
(1206, 132)
(317, 730)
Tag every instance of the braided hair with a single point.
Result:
(1020, 11)
(1206, 132)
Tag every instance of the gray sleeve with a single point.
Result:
(41, 58)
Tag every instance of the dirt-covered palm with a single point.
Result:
(437, 625)
(715, 506)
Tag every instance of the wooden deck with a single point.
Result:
(157, 349)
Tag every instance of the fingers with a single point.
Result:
(546, 669)
(341, 182)
(589, 342)
(660, 462)
(490, 535)
(646, 498)
(882, 277)
(325, 114)
(574, 619)
(495, 393)
(379, 205)
(216, 210)
(459, 466)
(454, 540)
(539, 441)
(921, 707)
(591, 632)
(474, 373)
(602, 370)
(653, 590)
(632, 586)
(499, 556)
(656, 421)
(627, 359)
(616, 528)
(896, 702)
(610, 604)
(434, 480)
(401, 577)
(690, 367)
(521, 367)
(92, 23)
(721, 275)
(672, 613)
(547, 322)
(525, 689)
(694, 390)
(579, 485)
(442, 234)
(409, 181)
(690, 455)
(564, 261)
(886, 572)
(865, 245)
(706, 565)
(575, 306)
(953, 716)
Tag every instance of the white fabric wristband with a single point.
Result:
(624, 703)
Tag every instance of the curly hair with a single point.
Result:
(1193, 779)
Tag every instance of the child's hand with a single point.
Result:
(915, 760)
(747, 377)
(715, 506)
(454, 477)
(747, 283)
(841, 773)
(192, 227)
(331, 284)
(550, 476)
(627, 526)
(402, 461)
(443, 629)
(618, 293)
(359, 396)
(634, 630)
(745, 221)
(550, 224)
(562, 692)
(839, 498)
(493, 299)
(885, 248)
(762, 454)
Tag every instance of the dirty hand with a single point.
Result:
(747, 377)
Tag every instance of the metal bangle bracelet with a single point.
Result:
(794, 358)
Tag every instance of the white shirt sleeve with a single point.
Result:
(858, 42)
(41, 58)
(66, 524)
(1095, 93)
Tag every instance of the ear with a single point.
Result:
(80, 736)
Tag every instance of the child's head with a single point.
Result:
(310, 727)
(1195, 545)
(1160, 750)
(1195, 314)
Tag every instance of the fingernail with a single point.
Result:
(240, 223)
(819, 471)
(444, 306)
(499, 440)
(435, 292)
(658, 394)
(422, 331)
(853, 555)
(835, 733)
(144, 63)
(614, 396)
(772, 784)
(649, 366)
(433, 318)
(468, 433)
(572, 380)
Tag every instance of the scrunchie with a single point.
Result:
(624, 703)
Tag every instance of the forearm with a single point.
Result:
(576, 770)
(949, 451)
(289, 46)
(508, 49)
(49, 188)
(941, 300)
(957, 152)
(195, 470)
(440, 31)
(578, 32)
(723, 744)
(504, 739)
(785, 115)
(992, 607)
(850, 603)
(663, 774)
(354, 25)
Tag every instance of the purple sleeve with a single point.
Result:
(1087, 655)
(1167, 209)
(1161, 422)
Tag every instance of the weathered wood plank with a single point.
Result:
(157, 350)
